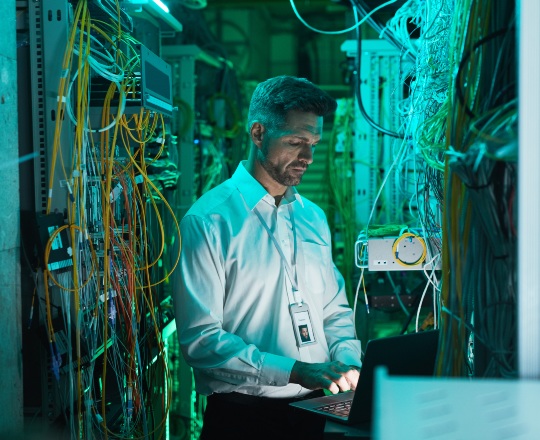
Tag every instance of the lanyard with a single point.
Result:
(305, 355)
(289, 269)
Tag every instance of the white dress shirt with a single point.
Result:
(232, 306)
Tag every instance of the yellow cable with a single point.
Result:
(395, 249)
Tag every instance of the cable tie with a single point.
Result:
(115, 193)
(64, 99)
(71, 198)
(477, 187)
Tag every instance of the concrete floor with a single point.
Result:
(37, 427)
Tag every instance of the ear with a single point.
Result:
(256, 132)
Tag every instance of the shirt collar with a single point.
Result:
(253, 192)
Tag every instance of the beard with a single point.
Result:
(285, 177)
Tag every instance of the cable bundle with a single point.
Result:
(114, 355)
(479, 266)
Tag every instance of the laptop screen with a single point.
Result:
(413, 354)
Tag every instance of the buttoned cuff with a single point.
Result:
(276, 370)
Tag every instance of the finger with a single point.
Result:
(333, 388)
(352, 377)
(343, 384)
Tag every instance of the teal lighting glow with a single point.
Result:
(162, 5)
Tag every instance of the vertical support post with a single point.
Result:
(11, 396)
(182, 59)
(48, 36)
(528, 194)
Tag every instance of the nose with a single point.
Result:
(306, 154)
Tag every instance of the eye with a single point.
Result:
(295, 143)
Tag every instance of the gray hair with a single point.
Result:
(275, 97)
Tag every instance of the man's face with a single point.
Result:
(287, 153)
(305, 333)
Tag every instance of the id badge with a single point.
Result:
(303, 329)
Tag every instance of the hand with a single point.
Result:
(333, 376)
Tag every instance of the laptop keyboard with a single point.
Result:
(341, 409)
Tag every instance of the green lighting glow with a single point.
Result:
(162, 5)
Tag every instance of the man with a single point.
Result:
(256, 263)
(304, 333)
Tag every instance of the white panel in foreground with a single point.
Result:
(454, 408)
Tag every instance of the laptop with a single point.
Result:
(413, 354)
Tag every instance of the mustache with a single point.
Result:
(298, 164)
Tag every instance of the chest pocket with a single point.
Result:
(316, 262)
